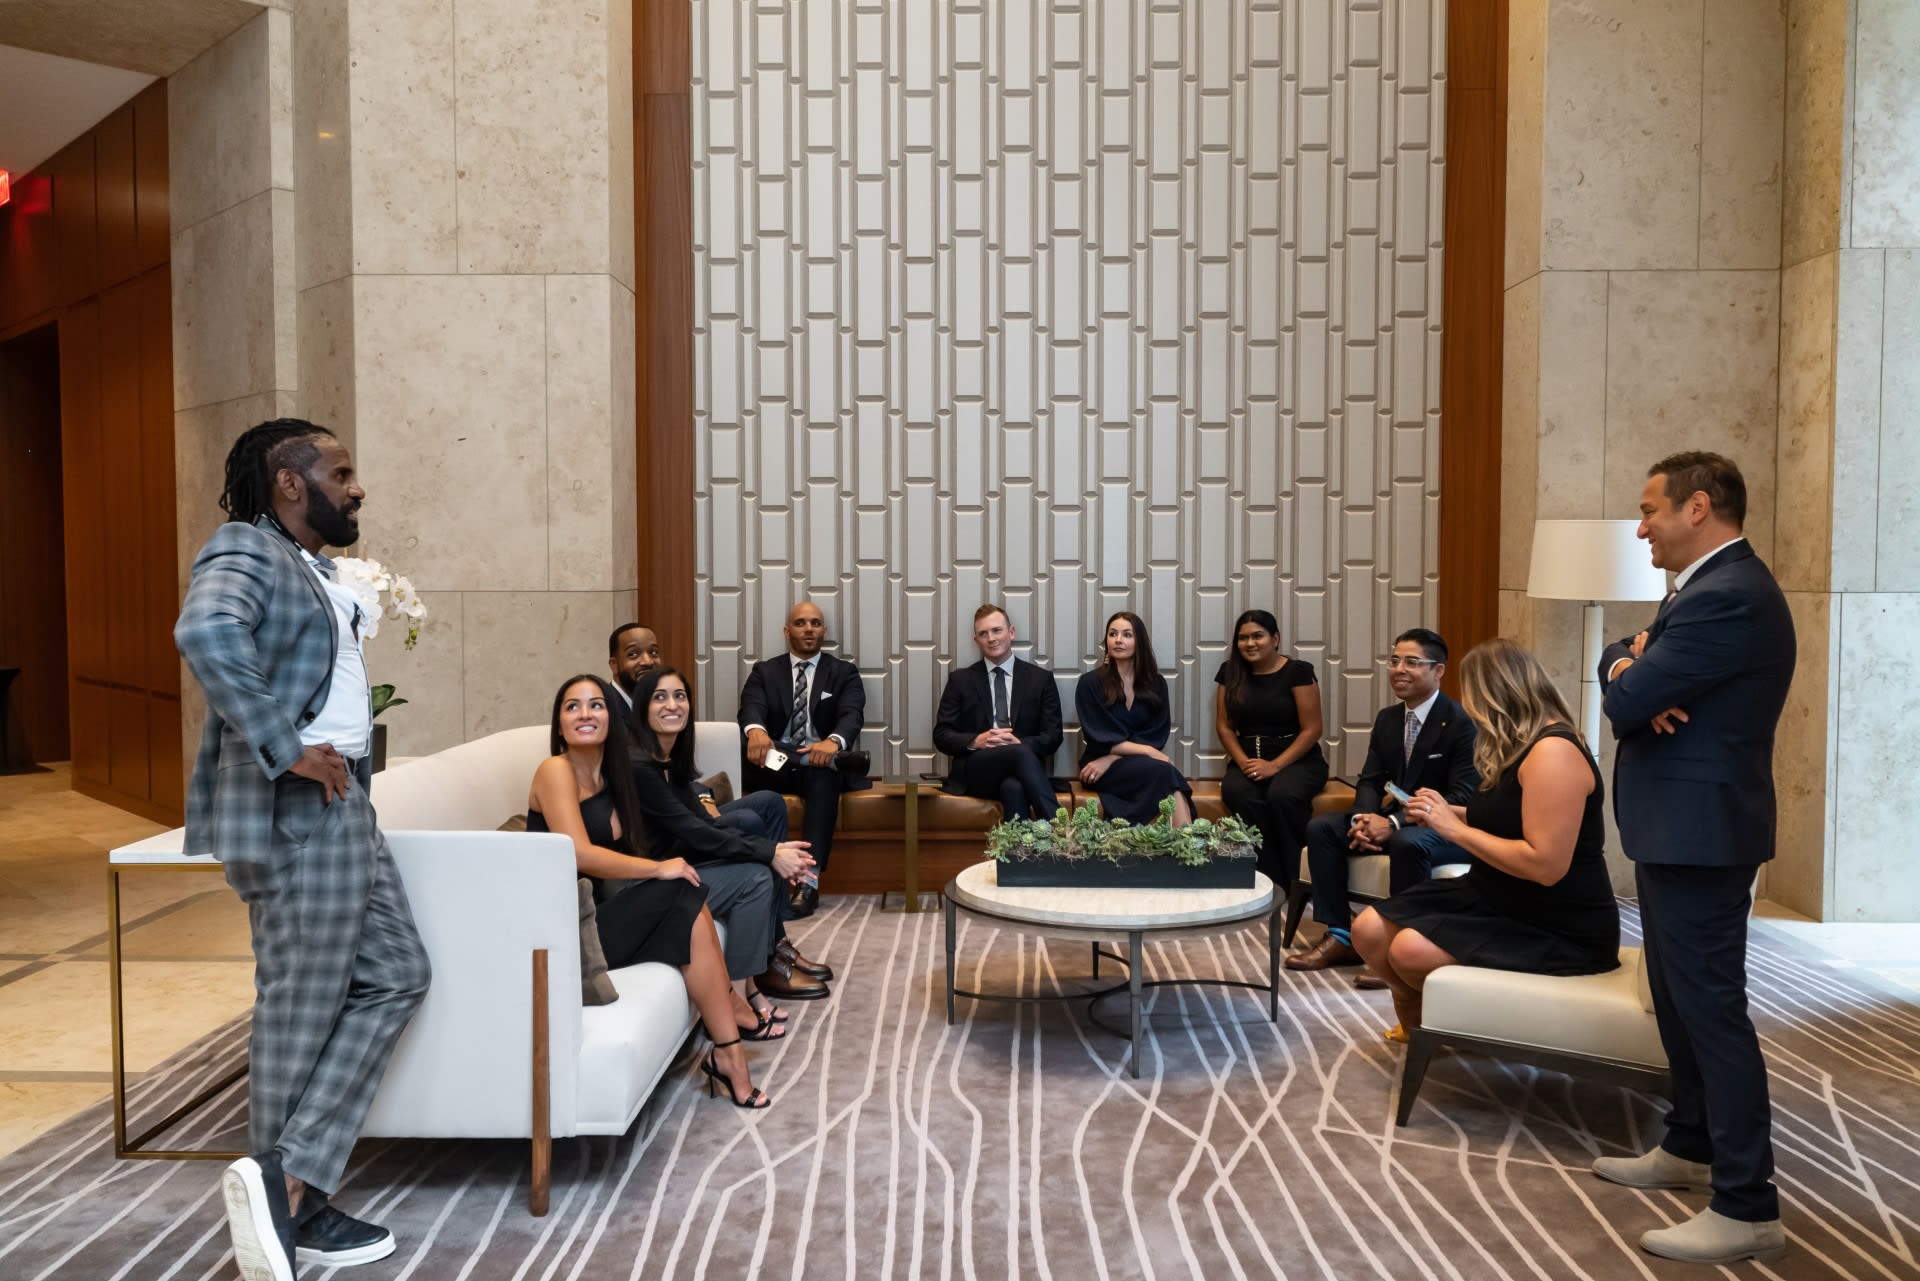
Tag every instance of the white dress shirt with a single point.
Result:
(346, 718)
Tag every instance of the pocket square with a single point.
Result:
(825, 697)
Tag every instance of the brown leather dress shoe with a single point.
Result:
(784, 983)
(1368, 981)
(1324, 955)
(787, 952)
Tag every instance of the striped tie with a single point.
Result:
(797, 725)
(1413, 732)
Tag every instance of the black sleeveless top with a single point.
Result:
(1579, 907)
(596, 813)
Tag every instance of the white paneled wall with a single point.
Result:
(1075, 306)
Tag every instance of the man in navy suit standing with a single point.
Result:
(1694, 700)
(808, 707)
(999, 720)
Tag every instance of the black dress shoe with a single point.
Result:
(339, 1240)
(784, 983)
(787, 952)
(802, 901)
(255, 1191)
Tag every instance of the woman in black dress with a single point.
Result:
(1537, 897)
(1267, 714)
(584, 791)
(680, 818)
(1125, 719)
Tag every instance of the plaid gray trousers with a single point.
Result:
(338, 971)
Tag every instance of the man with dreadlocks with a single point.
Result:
(279, 795)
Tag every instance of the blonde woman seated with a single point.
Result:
(1536, 897)
(585, 791)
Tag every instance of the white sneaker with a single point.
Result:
(1656, 1169)
(1713, 1238)
(256, 1195)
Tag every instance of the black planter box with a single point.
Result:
(1128, 873)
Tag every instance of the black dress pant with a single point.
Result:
(1694, 920)
(818, 786)
(1015, 777)
(1280, 808)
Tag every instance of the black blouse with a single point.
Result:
(1267, 707)
(678, 825)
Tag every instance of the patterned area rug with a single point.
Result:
(1015, 1144)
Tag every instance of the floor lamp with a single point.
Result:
(1592, 561)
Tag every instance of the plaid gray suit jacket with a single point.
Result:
(259, 635)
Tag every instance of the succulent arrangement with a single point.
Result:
(1082, 833)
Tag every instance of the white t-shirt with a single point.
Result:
(346, 719)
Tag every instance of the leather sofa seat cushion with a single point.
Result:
(1601, 1015)
(883, 808)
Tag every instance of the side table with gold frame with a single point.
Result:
(160, 853)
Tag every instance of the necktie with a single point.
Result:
(1413, 732)
(797, 726)
(1000, 716)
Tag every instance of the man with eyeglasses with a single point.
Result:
(1424, 740)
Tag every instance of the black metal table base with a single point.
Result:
(1133, 987)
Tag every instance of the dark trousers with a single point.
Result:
(763, 814)
(1015, 777)
(818, 787)
(1280, 808)
(1412, 854)
(1694, 920)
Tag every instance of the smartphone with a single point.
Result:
(1394, 790)
(776, 759)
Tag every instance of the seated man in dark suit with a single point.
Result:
(807, 706)
(1000, 722)
(1424, 740)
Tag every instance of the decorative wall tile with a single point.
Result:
(1744, 77)
(1078, 307)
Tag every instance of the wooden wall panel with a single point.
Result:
(83, 492)
(85, 244)
(1472, 320)
(122, 511)
(663, 223)
(114, 197)
(90, 721)
(152, 228)
(76, 235)
(127, 768)
(159, 568)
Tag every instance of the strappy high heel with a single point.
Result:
(767, 1029)
(762, 1004)
(711, 1066)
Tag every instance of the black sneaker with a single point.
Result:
(255, 1190)
(339, 1240)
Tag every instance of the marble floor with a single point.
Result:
(189, 968)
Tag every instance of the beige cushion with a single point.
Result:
(515, 823)
(721, 785)
(1600, 1015)
(595, 987)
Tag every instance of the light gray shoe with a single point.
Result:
(1656, 1169)
(1712, 1238)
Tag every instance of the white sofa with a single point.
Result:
(497, 910)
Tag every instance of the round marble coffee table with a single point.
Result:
(1101, 915)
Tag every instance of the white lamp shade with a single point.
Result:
(1592, 560)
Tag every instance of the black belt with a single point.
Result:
(1265, 746)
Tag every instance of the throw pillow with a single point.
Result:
(721, 786)
(518, 823)
(595, 987)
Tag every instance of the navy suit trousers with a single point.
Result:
(1694, 920)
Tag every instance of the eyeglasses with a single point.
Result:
(1396, 662)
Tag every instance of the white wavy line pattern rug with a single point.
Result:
(1014, 1144)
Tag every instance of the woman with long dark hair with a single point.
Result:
(1537, 897)
(1125, 720)
(746, 846)
(1267, 714)
(584, 791)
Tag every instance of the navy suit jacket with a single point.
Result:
(836, 698)
(1722, 650)
(966, 708)
(1442, 757)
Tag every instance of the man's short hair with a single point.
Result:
(1427, 639)
(1715, 475)
(613, 639)
(989, 608)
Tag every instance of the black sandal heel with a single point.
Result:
(711, 1067)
